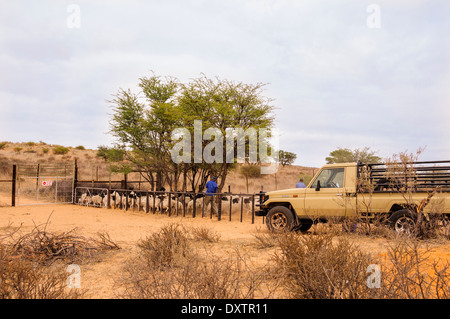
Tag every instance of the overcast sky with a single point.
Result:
(341, 73)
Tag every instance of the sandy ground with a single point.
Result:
(126, 228)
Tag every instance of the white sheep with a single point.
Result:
(97, 200)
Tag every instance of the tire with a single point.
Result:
(403, 221)
(280, 218)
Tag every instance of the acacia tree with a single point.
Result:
(144, 127)
(221, 105)
(286, 158)
(144, 130)
(345, 155)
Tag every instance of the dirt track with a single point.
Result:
(126, 228)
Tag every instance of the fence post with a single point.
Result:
(37, 178)
(219, 207)
(242, 207)
(75, 182)
(253, 209)
(108, 199)
(13, 190)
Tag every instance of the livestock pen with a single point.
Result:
(172, 203)
(59, 183)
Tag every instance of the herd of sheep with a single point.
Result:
(164, 202)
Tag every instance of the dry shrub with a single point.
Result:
(203, 233)
(195, 277)
(44, 247)
(24, 279)
(409, 272)
(265, 238)
(166, 247)
(168, 266)
(322, 267)
(433, 226)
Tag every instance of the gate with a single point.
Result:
(45, 183)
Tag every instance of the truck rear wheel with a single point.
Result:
(279, 218)
(403, 221)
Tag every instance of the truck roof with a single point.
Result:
(340, 165)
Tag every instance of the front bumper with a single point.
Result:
(263, 210)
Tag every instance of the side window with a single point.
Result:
(330, 178)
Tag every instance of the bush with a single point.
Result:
(45, 150)
(80, 147)
(408, 272)
(322, 267)
(111, 154)
(17, 149)
(165, 247)
(23, 279)
(3, 145)
(169, 267)
(60, 150)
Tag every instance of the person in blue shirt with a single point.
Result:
(211, 190)
(300, 184)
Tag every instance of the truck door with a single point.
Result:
(326, 195)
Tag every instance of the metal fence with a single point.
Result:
(44, 184)
(228, 205)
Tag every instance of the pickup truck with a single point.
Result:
(340, 191)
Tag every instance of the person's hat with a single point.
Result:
(214, 177)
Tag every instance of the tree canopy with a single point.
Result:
(345, 155)
(144, 124)
(286, 158)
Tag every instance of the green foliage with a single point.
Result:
(80, 147)
(60, 150)
(17, 149)
(30, 144)
(110, 154)
(146, 128)
(286, 158)
(345, 155)
(3, 145)
(45, 150)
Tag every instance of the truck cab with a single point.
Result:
(329, 194)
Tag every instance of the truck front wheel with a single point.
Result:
(279, 218)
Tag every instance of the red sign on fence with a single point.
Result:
(46, 183)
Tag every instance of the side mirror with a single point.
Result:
(318, 186)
